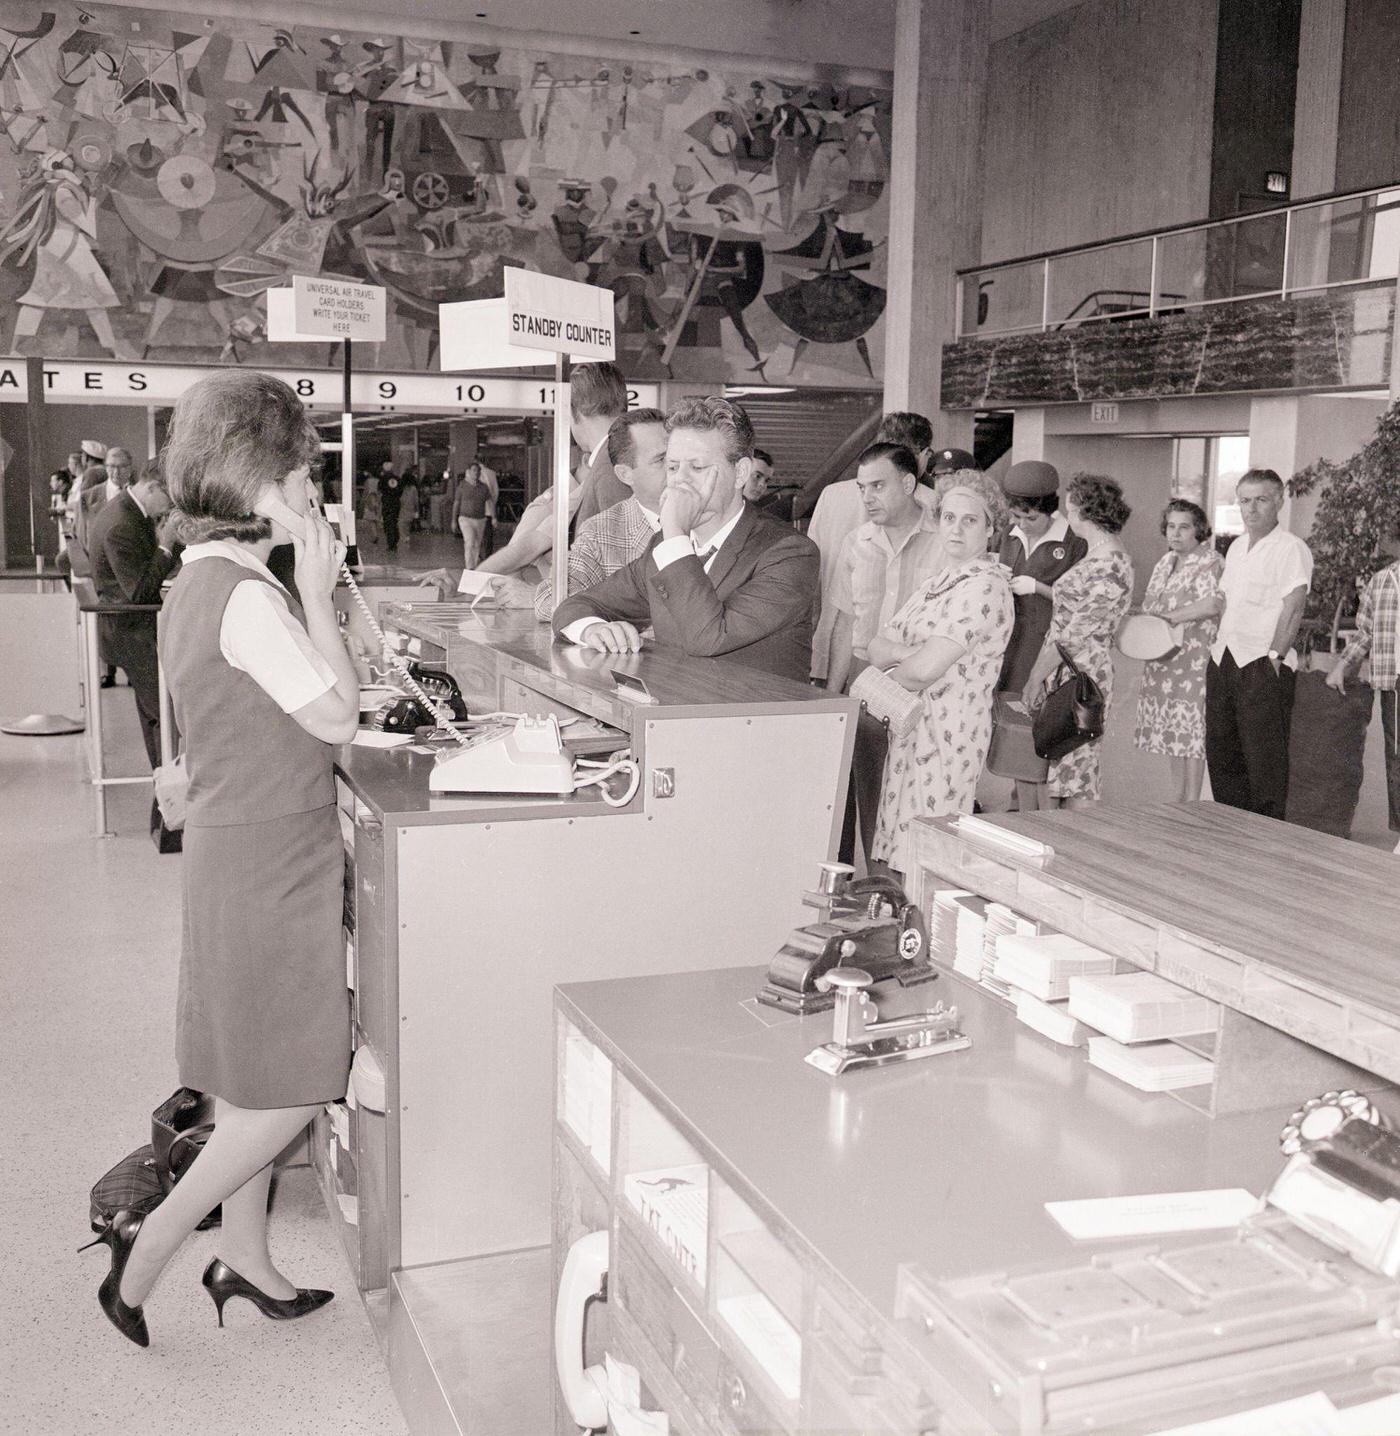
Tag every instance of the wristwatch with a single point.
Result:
(1275, 655)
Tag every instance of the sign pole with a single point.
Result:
(347, 457)
(559, 560)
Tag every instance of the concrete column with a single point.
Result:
(1028, 435)
(940, 82)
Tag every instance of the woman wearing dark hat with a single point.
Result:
(262, 687)
(1040, 549)
(1091, 600)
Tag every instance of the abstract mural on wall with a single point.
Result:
(159, 172)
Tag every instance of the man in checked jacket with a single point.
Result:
(1377, 637)
(612, 539)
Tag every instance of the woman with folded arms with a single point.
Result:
(946, 644)
(262, 687)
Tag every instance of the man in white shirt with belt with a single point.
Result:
(880, 564)
(1249, 681)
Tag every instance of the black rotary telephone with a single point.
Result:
(407, 715)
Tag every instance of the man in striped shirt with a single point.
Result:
(1377, 638)
(612, 539)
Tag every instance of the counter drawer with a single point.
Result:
(638, 1284)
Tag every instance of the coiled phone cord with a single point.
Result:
(436, 707)
(604, 772)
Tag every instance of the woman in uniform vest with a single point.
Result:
(262, 687)
(1040, 548)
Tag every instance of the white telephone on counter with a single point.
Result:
(529, 758)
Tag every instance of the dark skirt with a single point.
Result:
(263, 1018)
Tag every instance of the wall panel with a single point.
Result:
(1098, 124)
(1368, 129)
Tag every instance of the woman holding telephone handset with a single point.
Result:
(262, 687)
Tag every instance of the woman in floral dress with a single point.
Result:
(1091, 600)
(1184, 589)
(946, 644)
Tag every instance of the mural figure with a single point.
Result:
(54, 224)
(165, 172)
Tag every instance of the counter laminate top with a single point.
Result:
(945, 1161)
(1323, 910)
(674, 679)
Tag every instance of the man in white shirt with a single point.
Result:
(1249, 680)
(880, 564)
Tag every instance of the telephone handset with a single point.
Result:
(270, 505)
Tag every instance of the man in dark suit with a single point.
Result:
(131, 558)
(719, 580)
(597, 396)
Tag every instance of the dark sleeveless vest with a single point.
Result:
(247, 760)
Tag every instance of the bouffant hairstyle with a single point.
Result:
(707, 413)
(987, 489)
(1199, 521)
(1100, 501)
(234, 433)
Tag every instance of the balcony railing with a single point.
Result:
(1340, 242)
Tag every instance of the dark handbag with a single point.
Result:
(132, 1185)
(180, 1126)
(1072, 714)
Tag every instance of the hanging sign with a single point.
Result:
(472, 334)
(99, 381)
(338, 309)
(560, 316)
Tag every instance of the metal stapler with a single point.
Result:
(860, 1041)
(869, 921)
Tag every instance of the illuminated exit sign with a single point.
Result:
(1103, 413)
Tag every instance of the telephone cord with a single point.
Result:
(604, 772)
(439, 710)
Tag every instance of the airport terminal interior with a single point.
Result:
(828, 862)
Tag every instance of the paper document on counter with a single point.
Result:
(373, 738)
(1107, 1217)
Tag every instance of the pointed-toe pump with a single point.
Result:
(222, 1282)
(119, 1237)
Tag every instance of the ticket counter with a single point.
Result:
(463, 913)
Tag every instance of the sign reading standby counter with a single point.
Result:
(338, 309)
(544, 312)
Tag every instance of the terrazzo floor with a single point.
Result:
(89, 945)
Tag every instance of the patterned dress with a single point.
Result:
(934, 770)
(1171, 714)
(1091, 600)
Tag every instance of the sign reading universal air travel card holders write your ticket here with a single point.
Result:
(559, 315)
(338, 309)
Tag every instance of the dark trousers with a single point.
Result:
(1248, 712)
(1390, 733)
(872, 746)
(391, 526)
(135, 655)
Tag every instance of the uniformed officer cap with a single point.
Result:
(949, 461)
(1031, 479)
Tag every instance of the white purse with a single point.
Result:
(893, 704)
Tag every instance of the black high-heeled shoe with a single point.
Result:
(222, 1282)
(119, 1237)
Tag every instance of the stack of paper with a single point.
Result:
(1150, 1066)
(1140, 1007)
(1050, 1020)
(1043, 964)
(674, 1202)
(967, 949)
(943, 924)
(1001, 922)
